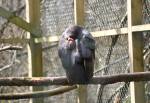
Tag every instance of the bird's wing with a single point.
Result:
(87, 43)
(89, 67)
(88, 40)
(88, 52)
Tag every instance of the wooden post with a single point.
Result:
(79, 12)
(135, 40)
(79, 20)
(34, 49)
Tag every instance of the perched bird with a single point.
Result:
(77, 53)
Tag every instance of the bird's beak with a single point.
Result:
(70, 39)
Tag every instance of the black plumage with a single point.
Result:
(77, 53)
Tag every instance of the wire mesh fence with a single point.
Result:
(111, 51)
(56, 16)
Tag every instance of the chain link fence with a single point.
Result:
(111, 51)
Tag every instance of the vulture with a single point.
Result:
(76, 51)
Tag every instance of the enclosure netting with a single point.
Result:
(111, 51)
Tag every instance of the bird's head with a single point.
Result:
(72, 33)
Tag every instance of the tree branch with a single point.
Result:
(45, 81)
(10, 16)
(4, 25)
(10, 47)
(40, 94)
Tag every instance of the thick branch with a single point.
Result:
(10, 16)
(40, 94)
(18, 11)
(45, 81)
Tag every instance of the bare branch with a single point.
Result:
(10, 47)
(4, 25)
(40, 94)
(6, 67)
(45, 81)
(19, 10)
(10, 64)
(10, 16)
